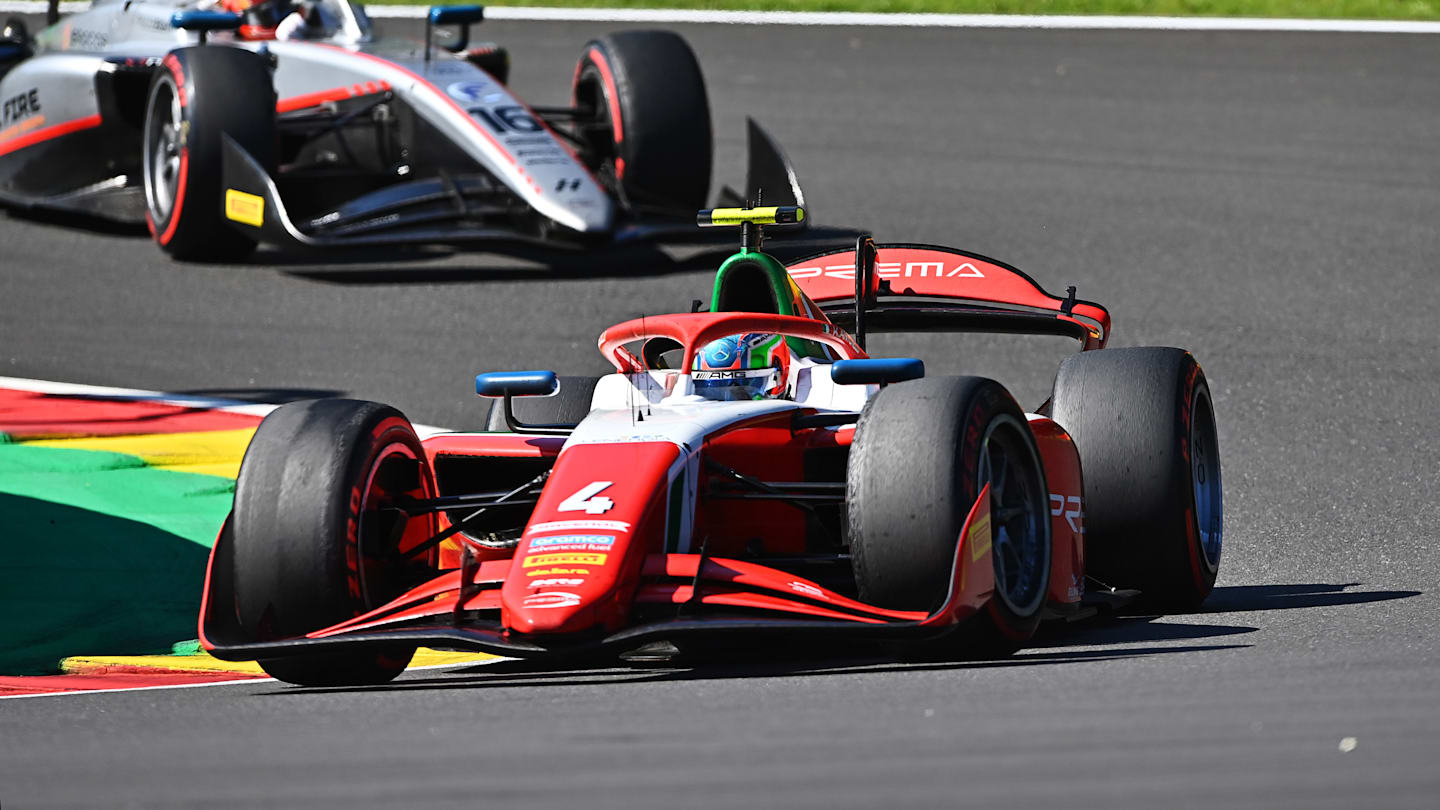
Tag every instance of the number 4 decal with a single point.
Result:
(588, 500)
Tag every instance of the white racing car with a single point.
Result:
(227, 124)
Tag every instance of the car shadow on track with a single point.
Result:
(76, 222)
(790, 660)
(530, 674)
(1246, 598)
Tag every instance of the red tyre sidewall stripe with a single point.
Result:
(612, 95)
(164, 238)
(380, 438)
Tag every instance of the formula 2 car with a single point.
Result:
(288, 122)
(748, 472)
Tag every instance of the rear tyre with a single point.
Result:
(922, 452)
(650, 136)
(315, 542)
(1144, 424)
(567, 407)
(197, 96)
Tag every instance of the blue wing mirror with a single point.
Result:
(517, 384)
(876, 371)
(462, 16)
(205, 21)
(511, 384)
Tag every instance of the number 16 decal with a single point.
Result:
(588, 499)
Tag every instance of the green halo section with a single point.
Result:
(99, 554)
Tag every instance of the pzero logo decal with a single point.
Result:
(551, 599)
(553, 582)
(1072, 515)
(588, 500)
(807, 589)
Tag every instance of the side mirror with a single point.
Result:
(205, 21)
(517, 384)
(462, 16)
(876, 371)
(511, 384)
(456, 15)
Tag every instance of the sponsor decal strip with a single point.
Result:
(578, 525)
(334, 94)
(20, 141)
(862, 19)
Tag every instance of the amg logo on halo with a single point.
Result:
(22, 106)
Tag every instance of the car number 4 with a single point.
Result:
(588, 499)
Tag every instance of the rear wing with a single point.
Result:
(922, 288)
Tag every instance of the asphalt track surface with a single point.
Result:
(1266, 200)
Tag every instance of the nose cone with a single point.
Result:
(587, 210)
(579, 562)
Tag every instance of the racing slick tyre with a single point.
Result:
(1144, 425)
(197, 96)
(316, 540)
(649, 138)
(567, 407)
(922, 452)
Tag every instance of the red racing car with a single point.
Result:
(748, 470)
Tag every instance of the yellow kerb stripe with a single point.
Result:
(209, 452)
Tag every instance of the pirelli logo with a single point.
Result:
(535, 560)
(244, 208)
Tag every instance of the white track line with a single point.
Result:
(1066, 22)
(181, 400)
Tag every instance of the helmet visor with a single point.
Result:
(739, 384)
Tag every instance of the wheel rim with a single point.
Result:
(1205, 478)
(381, 572)
(1019, 515)
(164, 121)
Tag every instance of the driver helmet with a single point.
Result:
(739, 367)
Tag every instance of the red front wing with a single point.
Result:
(773, 600)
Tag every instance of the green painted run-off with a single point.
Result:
(99, 554)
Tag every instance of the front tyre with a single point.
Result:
(1144, 425)
(649, 137)
(317, 539)
(197, 96)
(922, 453)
